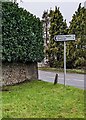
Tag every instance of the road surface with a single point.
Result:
(72, 79)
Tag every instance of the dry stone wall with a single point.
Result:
(18, 72)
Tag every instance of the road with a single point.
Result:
(72, 79)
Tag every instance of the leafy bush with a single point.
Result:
(22, 35)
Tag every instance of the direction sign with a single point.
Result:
(59, 38)
(64, 37)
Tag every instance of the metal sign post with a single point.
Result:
(64, 63)
(64, 38)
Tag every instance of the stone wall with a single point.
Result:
(18, 72)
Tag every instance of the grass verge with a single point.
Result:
(79, 71)
(40, 99)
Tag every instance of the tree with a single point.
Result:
(55, 49)
(76, 49)
(45, 20)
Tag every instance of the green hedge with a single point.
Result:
(22, 35)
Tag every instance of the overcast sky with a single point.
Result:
(66, 8)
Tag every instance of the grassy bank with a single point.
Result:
(79, 71)
(40, 99)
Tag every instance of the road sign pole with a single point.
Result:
(64, 63)
(64, 38)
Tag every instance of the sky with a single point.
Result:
(67, 8)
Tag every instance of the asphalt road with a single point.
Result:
(72, 79)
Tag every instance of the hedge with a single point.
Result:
(22, 35)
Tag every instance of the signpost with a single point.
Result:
(64, 38)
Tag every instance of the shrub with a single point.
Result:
(22, 35)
